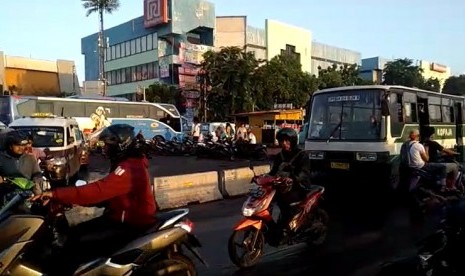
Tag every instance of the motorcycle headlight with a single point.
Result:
(249, 210)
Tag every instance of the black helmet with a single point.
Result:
(287, 133)
(118, 137)
(15, 137)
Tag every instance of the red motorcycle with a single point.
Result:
(308, 223)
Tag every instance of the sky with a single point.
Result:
(418, 29)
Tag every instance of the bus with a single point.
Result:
(152, 119)
(360, 129)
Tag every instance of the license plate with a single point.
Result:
(339, 166)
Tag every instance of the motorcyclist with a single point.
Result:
(126, 192)
(293, 165)
(15, 162)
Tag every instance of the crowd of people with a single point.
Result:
(226, 132)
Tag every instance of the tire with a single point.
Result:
(176, 265)
(248, 259)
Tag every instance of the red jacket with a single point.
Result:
(127, 191)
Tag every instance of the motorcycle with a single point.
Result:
(308, 223)
(28, 242)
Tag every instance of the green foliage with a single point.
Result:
(163, 93)
(404, 72)
(455, 85)
(334, 76)
(100, 6)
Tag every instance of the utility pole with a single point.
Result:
(102, 47)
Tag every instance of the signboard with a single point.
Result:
(438, 68)
(155, 12)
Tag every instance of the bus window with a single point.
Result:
(108, 110)
(133, 111)
(45, 107)
(70, 109)
(26, 107)
(434, 113)
(156, 113)
(410, 113)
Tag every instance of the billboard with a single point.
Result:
(155, 12)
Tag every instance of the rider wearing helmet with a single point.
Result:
(293, 165)
(15, 162)
(126, 193)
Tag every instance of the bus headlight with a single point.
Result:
(316, 155)
(366, 156)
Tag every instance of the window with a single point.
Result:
(155, 41)
(138, 45)
(138, 73)
(434, 113)
(156, 113)
(70, 109)
(77, 132)
(410, 111)
(133, 47)
(118, 50)
(118, 76)
(144, 72)
(150, 73)
(133, 73)
(113, 52)
(108, 77)
(448, 114)
(155, 70)
(143, 41)
(45, 107)
(45, 137)
(123, 75)
(149, 42)
(113, 77)
(108, 54)
(123, 50)
(127, 45)
(128, 74)
(133, 111)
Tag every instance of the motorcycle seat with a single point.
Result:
(163, 217)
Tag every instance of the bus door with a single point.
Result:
(422, 110)
(459, 128)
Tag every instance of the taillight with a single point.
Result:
(186, 225)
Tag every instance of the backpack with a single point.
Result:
(405, 153)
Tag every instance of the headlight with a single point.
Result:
(247, 211)
(366, 156)
(316, 155)
(59, 161)
(251, 207)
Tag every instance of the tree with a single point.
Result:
(281, 80)
(101, 6)
(455, 85)
(403, 72)
(334, 76)
(431, 84)
(163, 93)
(229, 73)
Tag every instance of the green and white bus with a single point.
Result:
(360, 129)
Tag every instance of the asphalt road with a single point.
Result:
(356, 245)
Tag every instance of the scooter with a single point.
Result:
(27, 242)
(308, 224)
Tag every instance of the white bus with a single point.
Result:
(153, 119)
(360, 129)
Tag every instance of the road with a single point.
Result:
(356, 245)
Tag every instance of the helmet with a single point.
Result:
(15, 137)
(287, 133)
(118, 138)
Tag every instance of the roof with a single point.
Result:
(45, 122)
(384, 87)
(275, 111)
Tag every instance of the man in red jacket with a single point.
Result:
(126, 193)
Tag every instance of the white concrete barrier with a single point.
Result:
(180, 190)
(237, 181)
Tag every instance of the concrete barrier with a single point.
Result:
(180, 190)
(237, 181)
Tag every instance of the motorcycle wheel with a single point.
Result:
(176, 265)
(320, 220)
(253, 252)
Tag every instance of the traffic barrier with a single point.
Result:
(180, 190)
(236, 182)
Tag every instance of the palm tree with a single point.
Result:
(101, 6)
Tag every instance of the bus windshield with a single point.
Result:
(346, 115)
(44, 137)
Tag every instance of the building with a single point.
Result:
(164, 45)
(372, 69)
(435, 70)
(275, 39)
(27, 76)
(324, 56)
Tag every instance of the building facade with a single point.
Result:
(275, 39)
(165, 45)
(26, 76)
(324, 56)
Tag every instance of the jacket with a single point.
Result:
(299, 169)
(126, 192)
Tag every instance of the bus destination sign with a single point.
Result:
(351, 98)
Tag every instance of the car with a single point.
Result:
(62, 142)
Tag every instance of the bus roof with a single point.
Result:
(383, 87)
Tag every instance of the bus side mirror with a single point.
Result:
(385, 107)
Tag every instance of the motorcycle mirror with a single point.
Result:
(81, 183)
